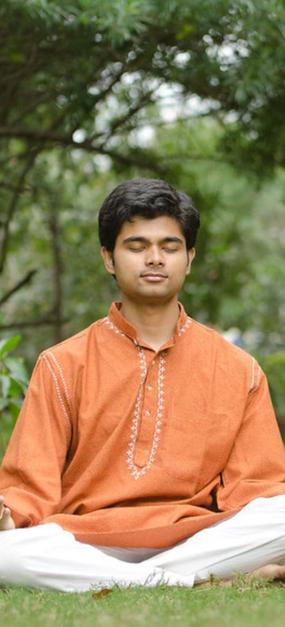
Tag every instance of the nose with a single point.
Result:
(154, 256)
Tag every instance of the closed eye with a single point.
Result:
(171, 249)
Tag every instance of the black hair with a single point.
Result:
(148, 198)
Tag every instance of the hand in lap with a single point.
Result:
(6, 520)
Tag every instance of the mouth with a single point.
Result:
(154, 277)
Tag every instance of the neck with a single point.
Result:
(155, 323)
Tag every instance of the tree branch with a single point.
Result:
(12, 208)
(24, 281)
(135, 108)
(31, 323)
(57, 269)
(143, 160)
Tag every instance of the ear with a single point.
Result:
(191, 255)
(108, 260)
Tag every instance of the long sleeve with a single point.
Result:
(30, 475)
(256, 466)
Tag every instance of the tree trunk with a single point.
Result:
(57, 271)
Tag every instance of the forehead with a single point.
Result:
(153, 230)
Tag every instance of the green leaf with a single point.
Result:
(3, 403)
(16, 57)
(16, 389)
(8, 345)
(185, 31)
(17, 370)
(5, 385)
(14, 409)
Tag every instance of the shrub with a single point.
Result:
(13, 384)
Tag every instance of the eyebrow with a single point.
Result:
(164, 240)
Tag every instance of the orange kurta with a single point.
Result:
(125, 446)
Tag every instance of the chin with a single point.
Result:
(155, 298)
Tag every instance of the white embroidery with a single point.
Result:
(112, 326)
(185, 326)
(135, 470)
(57, 388)
(252, 374)
(255, 375)
(66, 391)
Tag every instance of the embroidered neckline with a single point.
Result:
(139, 471)
(112, 326)
(185, 326)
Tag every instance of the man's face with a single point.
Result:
(150, 259)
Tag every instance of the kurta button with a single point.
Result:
(146, 412)
(149, 388)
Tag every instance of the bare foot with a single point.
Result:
(273, 572)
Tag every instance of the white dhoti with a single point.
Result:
(48, 557)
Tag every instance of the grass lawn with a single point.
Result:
(255, 605)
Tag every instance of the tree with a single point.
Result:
(83, 75)
(81, 81)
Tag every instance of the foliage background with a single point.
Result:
(96, 92)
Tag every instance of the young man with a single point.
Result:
(146, 450)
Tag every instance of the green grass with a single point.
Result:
(242, 605)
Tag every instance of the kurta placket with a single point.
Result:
(150, 405)
(148, 414)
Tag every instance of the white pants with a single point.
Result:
(46, 556)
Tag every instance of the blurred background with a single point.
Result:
(93, 92)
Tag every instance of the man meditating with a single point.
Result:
(147, 450)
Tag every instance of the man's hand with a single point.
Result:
(6, 520)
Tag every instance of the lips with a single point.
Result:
(154, 277)
(154, 274)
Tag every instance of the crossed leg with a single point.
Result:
(252, 541)
(49, 557)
